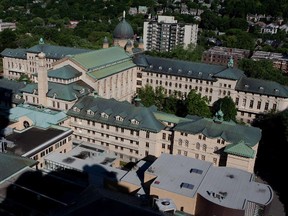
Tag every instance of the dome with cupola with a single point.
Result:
(123, 30)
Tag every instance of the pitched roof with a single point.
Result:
(110, 70)
(240, 149)
(11, 164)
(229, 131)
(167, 117)
(56, 52)
(113, 108)
(263, 87)
(66, 92)
(14, 53)
(42, 118)
(11, 87)
(231, 74)
(101, 58)
(65, 72)
(189, 69)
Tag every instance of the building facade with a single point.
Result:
(221, 55)
(165, 33)
(133, 132)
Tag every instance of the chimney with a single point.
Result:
(42, 79)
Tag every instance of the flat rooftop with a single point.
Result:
(30, 139)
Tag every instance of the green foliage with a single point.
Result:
(227, 106)
(190, 54)
(263, 69)
(147, 95)
(237, 38)
(197, 105)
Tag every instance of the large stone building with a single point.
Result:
(166, 33)
(133, 132)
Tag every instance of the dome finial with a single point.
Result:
(124, 13)
(41, 41)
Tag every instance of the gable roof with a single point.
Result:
(229, 131)
(66, 92)
(101, 58)
(113, 108)
(231, 74)
(66, 72)
(262, 87)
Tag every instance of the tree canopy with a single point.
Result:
(227, 106)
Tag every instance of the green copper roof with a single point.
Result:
(101, 58)
(230, 73)
(11, 164)
(14, 53)
(68, 92)
(240, 149)
(161, 116)
(110, 70)
(41, 117)
(113, 108)
(66, 72)
(263, 87)
(229, 131)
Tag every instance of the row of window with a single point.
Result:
(252, 102)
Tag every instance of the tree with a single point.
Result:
(227, 106)
(197, 105)
(147, 95)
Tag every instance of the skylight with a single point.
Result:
(187, 185)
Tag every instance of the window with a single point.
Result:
(204, 147)
(186, 143)
(180, 142)
(197, 156)
(164, 136)
(215, 149)
(179, 152)
(202, 157)
(223, 141)
(163, 146)
(244, 102)
(200, 137)
(147, 134)
(259, 105)
(197, 146)
(185, 153)
(215, 161)
(266, 106)
(251, 104)
(274, 106)
(147, 144)
(237, 101)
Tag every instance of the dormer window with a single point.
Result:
(246, 86)
(82, 91)
(90, 112)
(170, 69)
(160, 67)
(151, 66)
(261, 88)
(17, 96)
(76, 109)
(179, 70)
(119, 118)
(104, 115)
(134, 121)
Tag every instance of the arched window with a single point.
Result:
(204, 147)
(197, 145)
(180, 142)
(186, 143)
(216, 149)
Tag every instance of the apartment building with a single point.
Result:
(279, 60)
(133, 132)
(221, 55)
(166, 33)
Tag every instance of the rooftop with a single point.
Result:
(33, 139)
